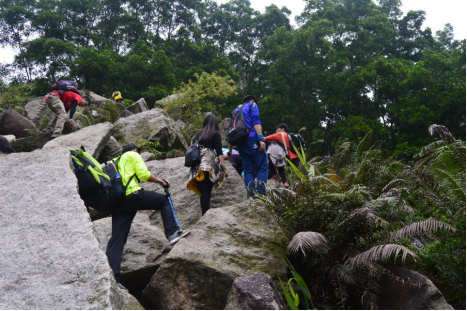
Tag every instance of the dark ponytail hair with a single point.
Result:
(210, 126)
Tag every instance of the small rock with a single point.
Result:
(112, 150)
(253, 292)
(147, 156)
(138, 106)
(412, 291)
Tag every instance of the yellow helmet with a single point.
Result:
(117, 95)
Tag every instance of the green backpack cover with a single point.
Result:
(94, 186)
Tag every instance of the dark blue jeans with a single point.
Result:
(255, 165)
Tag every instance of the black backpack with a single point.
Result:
(193, 155)
(238, 130)
(65, 85)
(298, 141)
(99, 188)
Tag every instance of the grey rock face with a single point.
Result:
(253, 292)
(112, 150)
(226, 243)
(93, 138)
(50, 257)
(152, 125)
(33, 111)
(186, 203)
(144, 251)
(13, 123)
(138, 106)
(419, 293)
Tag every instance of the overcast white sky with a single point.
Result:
(438, 13)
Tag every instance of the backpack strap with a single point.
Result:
(129, 180)
(285, 145)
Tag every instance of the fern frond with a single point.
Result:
(369, 300)
(307, 240)
(344, 272)
(442, 132)
(392, 184)
(456, 184)
(363, 216)
(420, 227)
(382, 253)
(364, 144)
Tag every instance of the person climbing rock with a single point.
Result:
(5, 147)
(234, 159)
(211, 170)
(117, 97)
(61, 103)
(280, 140)
(252, 152)
(133, 170)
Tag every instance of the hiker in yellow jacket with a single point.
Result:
(133, 170)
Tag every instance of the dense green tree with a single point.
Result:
(349, 66)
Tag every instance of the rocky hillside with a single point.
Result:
(53, 247)
(53, 254)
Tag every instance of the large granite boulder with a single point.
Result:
(35, 112)
(254, 292)
(152, 125)
(226, 243)
(144, 251)
(138, 106)
(93, 138)
(50, 258)
(409, 290)
(13, 123)
(186, 203)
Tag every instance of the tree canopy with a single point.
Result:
(350, 66)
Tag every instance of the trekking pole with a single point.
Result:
(167, 194)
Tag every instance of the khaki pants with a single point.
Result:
(57, 107)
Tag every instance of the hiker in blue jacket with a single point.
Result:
(253, 151)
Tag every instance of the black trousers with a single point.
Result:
(205, 187)
(123, 216)
(276, 170)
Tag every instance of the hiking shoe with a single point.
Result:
(286, 185)
(177, 236)
(122, 287)
(275, 177)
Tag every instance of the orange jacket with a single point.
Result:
(278, 138)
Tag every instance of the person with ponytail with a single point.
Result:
(211, 171)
